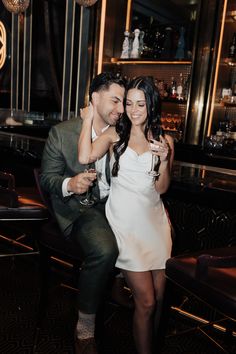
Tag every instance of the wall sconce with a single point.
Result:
(16, 6)
(86, 3)
(233, 15)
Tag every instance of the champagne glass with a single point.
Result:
(154, 166)
(88, 200)
(156, 131)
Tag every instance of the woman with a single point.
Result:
(134, 208)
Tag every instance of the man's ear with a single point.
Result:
(95, 98)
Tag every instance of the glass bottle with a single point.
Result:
(167, 45)
(180, 53)
(173, 88)
(135, 47)
(180, 87)
(125, 46)
(232, 47)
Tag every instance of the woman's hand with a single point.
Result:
(86, 113)
(160, 148)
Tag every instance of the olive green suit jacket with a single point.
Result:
(59, 161)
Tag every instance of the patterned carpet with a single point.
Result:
(19, 296)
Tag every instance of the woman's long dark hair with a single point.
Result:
(123, 126)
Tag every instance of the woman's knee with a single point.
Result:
(146, 303)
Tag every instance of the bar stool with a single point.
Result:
(53, 247)
(210, 276)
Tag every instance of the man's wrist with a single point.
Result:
(65, 187)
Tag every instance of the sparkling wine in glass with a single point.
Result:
(156, 131)
(88, 200)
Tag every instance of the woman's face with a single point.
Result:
(136, 108)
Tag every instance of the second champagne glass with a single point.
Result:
(156, 131)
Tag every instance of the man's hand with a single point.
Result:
(80, 183)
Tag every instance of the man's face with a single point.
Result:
(109, 103)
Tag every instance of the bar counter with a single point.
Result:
(201, 202)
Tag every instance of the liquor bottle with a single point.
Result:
(232, 47)
(180, 53)
(167, 45)
(135, 47)
(141, 42)
(125, 46)
(173, 88)
(180, 88)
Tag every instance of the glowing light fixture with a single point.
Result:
(16, 6)
(233, 15)
(86, 3)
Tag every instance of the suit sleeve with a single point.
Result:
(53, 164)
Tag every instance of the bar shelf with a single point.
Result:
(140, 61)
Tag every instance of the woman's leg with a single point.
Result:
(159, 281)
(141, 285)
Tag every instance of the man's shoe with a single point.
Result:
(85, 346)
(121, 294)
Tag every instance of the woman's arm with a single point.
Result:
(165, 149)
(89, 151)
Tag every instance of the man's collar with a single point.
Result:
(94, 135)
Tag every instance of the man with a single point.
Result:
(66, 182)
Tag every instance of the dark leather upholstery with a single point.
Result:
(210, 275)
(22, 204)
(29, 207)
(51, 240)
(52, 244)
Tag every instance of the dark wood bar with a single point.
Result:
(202, 205)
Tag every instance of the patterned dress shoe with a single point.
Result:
(85, 346)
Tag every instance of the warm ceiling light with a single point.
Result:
(86, 3)
(16, 6)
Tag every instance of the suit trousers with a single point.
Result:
(98, 248)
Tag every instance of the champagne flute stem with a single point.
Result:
(88, 193)
(153, 163)
(87, 200)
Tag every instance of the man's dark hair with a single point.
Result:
(103, 81)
